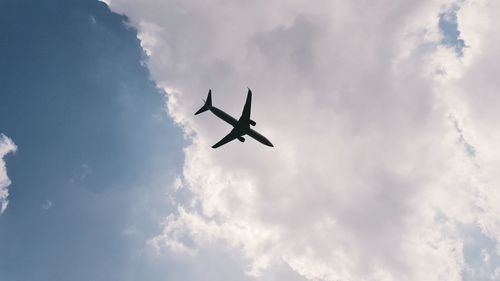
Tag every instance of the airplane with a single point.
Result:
(241, 126)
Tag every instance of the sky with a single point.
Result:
(383, 115)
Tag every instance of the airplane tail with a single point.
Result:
(207, 105)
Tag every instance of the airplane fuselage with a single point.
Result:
(246, 130)
(241, 126)
(224, 116)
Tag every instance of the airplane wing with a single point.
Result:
(229, 137)
(245, 115)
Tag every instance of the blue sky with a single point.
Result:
(96, 151)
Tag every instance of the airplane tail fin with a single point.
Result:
(207, 105)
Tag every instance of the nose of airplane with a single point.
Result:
(268, 143)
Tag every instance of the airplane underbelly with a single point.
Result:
(224, 116)
(260, 138)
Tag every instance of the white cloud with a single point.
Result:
(474, 99)
(6, 146)
(372, 174)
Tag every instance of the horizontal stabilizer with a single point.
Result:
(207, 105)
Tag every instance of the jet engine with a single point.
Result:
(253, 123)
(242, 139)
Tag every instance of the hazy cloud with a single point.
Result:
(6, 146)
(373, 118)
(47, 204)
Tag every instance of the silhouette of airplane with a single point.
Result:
(241, 126)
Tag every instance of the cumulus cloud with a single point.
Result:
(385, 136)
(474, 99)
(6, 146)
